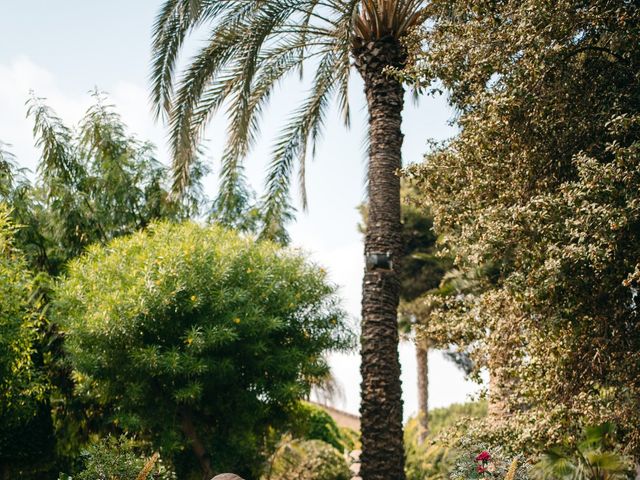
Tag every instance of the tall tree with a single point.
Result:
(252, 46)
(542, 182)
(94, 183)
(421, 270)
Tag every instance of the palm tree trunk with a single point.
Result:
(422, 360)
(381, 406)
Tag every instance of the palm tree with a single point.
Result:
(252, 45)
(593, 458)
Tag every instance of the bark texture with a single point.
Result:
(422, 361)
(498, 406)
(501, 385)
(381, 406)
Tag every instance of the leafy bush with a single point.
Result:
(198, 337)
(119, 459)
(595, 457)
(313, 423)
(481, 461)
(350, 438)
(306, 460)
(25, 422)
(434, 458)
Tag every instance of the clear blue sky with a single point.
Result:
(62, 49)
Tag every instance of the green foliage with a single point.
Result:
(500, 464)
(19, 384)
(435, 457)
(25, 423)
(595, 457)
(542, 185)
(313, 423)
(441, 419)
(202, 326)
(350, 439)
(252, 46)
(428, 459)
(118, 459)
(422, 268)
(306, 460)
(95, 183)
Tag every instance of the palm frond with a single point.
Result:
(375, 19)
(176, 19)
(252, 45)
(244, 106)
(292, 142)
(185, 131)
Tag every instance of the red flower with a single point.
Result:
(481, 469)
(484, 456)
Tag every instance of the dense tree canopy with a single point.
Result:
(18, 321)
(94, 182)
(202, 337)
(23, 385)
(542, 184)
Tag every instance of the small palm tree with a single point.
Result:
(252, 45)
(594, 458)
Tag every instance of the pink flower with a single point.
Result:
(484, 456)
(481, 469)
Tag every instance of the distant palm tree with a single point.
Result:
(252, 45)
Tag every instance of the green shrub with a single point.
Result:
(118, 459)
(198, 339)
(306, 460)
(26, 432)
(350, 438)
(595, 457)
(434, 458)
(313, 423)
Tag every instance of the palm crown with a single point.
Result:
(252, 45)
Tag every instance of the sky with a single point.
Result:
(61, 50)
